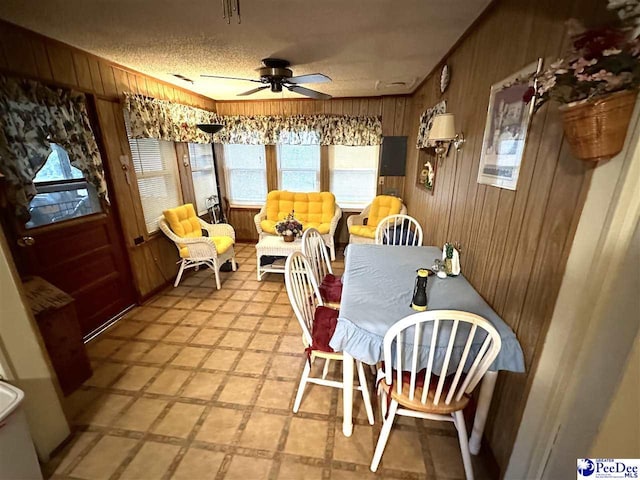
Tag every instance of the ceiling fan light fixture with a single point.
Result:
(210, 127)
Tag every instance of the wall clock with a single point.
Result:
(444, 78)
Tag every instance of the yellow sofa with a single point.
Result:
(314, 209)
(381, 207)
(183, 226)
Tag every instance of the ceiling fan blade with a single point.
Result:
(308, 92)
(311, 78)
(252, 91)
(231, 78)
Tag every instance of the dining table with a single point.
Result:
(378, 285)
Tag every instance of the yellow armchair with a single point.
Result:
(314, 210)
(381, 207)
(184, 228)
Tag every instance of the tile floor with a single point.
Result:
(199, 383)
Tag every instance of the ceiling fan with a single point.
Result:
(275, 74)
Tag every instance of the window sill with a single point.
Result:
(246, 207)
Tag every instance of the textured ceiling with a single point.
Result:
(363, 45)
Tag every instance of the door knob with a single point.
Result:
(26, 241)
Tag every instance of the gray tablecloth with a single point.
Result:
(377, 290)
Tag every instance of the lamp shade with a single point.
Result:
(210, 127)
(443, 128)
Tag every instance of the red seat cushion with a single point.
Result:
(331, 288)
(324, 324)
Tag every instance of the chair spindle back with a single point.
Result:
(302, 290)
(399, 230)
(314, 248)
(462, 382)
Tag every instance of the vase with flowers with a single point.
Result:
(597, 83)
(289, 228)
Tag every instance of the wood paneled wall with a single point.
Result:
(515, 243)
(30, 55)
(394, 110)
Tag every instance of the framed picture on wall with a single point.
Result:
(506, 128)
(427, 174)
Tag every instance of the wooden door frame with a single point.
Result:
(113, 209)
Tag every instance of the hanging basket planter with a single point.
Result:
(596, 129)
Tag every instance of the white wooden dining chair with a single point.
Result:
(305, 299)
(399, 230)
(442, 389)
(314, 248)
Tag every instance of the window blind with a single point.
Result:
(299, 168)
(246, 174)
(353, 173)
(155, 164)
(203, 174)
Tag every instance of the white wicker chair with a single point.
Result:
(443, 390)
(327, 237)
(359, 220)
(202, 250)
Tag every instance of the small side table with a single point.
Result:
(274, 245)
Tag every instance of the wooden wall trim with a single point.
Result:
(302, 99)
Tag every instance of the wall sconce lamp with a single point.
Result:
(443, 134)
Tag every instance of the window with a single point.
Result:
(353, 174)
(203, 175)
(299, 168)
(155, 164)
(246, 174)
(62, 191)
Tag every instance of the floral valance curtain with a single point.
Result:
(151, 118)
(173, 122)
(31, 116)
(301, 129)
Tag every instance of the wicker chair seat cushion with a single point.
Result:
(367, 231)
(222, 244)
(269, 226)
